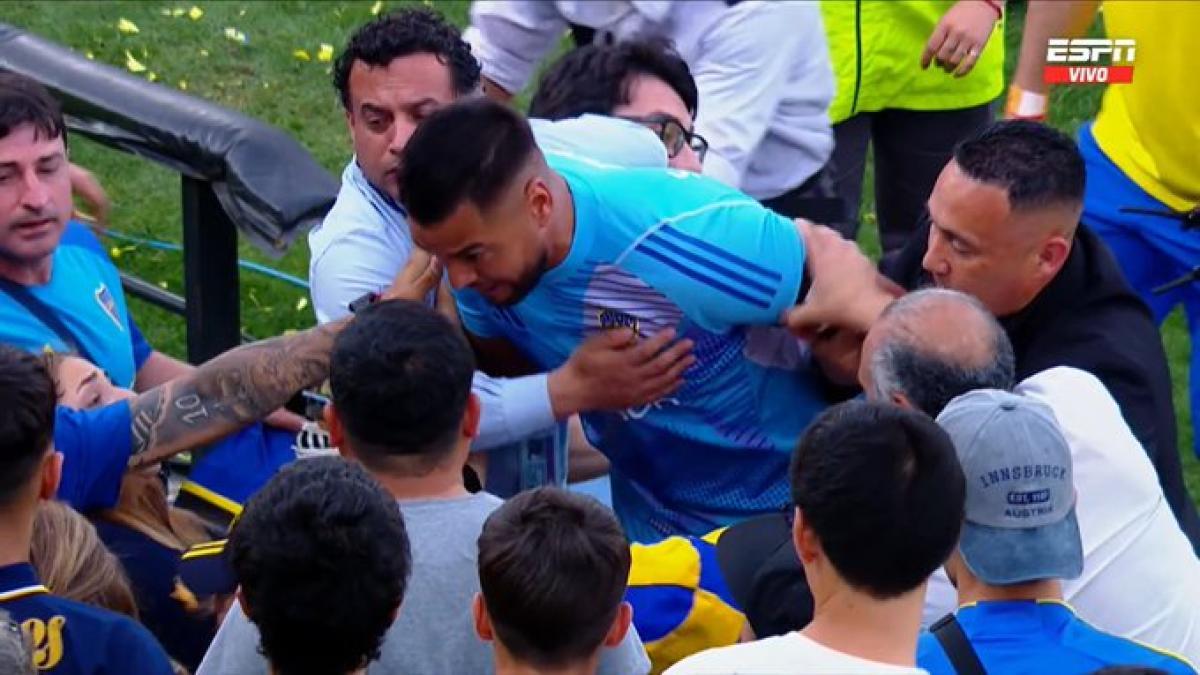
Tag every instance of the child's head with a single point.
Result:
(553, 567)
(322, 557)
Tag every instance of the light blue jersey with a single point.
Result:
(659, 248)
(85, 292)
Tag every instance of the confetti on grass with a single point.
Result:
(301, 304)
(235, 35)
(132, 64)
(325, 53)
(195, 13)
(301, 55)
(377, 7)
(127, 27)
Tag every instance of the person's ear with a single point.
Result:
(804, 539)
(471, 417)
(620, 627)
(51, 475)
(540, 200)
(483, 623)
(1053, 255)
(899, 398)
(337, 432)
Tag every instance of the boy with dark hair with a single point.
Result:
(402, 407)
(553, 567)
(879, 503)
(65, 636)
(643, 81)
(322, 558)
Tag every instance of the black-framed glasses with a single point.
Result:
(673, 135)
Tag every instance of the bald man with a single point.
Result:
(1139, 570)
(1004, 227)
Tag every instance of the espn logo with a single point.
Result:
(1090, 55)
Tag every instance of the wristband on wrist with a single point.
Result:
(1025, 105)
(996, 5)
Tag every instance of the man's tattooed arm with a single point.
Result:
(237, 388)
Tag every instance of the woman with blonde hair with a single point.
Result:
(73, 562)
(143, 530)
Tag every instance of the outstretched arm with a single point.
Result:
(245, 384)
(235, 389)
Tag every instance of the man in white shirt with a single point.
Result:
(1139, 576)
(762, 70)
(394, 72)
(879, 500)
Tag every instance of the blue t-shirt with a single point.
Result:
(85, 290)
(67, 637)
(96, 445)
(235, 467)
(1042, 636)
(659, 248)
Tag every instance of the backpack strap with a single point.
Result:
(958, 648)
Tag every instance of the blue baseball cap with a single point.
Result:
(1020, 510)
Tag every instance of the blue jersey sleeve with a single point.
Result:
(729, 263)
(95, 445)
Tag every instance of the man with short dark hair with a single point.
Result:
(394, 72)
(644, 81)
(546, 250)
(65, 636)
(322, 560)
(403, 408)
(58, 288)
(878, 499)
(1004, 227)
(1020, 540)
(540, 554)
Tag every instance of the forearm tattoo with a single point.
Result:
(237, 388)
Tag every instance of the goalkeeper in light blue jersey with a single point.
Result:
(544, 251)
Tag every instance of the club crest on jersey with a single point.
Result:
(105, 299)
(611, 318)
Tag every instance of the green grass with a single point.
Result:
(264, 79)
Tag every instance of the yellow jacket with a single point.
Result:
(875, 47)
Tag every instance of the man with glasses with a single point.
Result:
(761, 69)
(645, 82)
